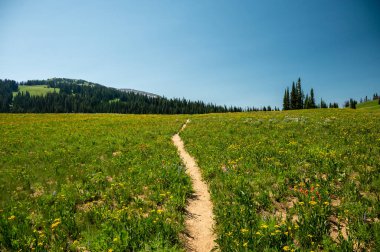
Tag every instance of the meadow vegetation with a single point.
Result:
(306, 180)
(90, 182)
(37, 90)
(369, 105)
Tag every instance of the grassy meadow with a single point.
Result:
(291, 181)
(36, 90)
(369, 105)
(75, 182)
(280, 181)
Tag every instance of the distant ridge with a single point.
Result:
(129, 90)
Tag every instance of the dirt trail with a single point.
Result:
(200, 221)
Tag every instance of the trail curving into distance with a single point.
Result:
(200, 220)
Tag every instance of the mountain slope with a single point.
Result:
(80, 96)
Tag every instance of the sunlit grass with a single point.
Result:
(90, 182)
(297, 180)
(36, 90)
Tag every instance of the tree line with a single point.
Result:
(295, 98)
(79, 96)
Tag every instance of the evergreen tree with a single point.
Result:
(286, 100)
(307, 102)
(293, 97)
(299, 95)
(323, 104)
(312, 99)
(353, 103)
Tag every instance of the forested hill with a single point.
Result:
(59, 95)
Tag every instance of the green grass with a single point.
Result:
(298, 180)
(36, 90)
(370, 105)
(280, 181)
(95, 182)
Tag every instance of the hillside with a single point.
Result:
(369, 105)
(36, 90)
(61, 95)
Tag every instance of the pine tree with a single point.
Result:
(299, 95)
(312, 99)
(323, 104)
(293, 97)
(306, 104)
(286, 101)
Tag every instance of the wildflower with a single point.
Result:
(286, 233)
(115, 239)
(110, 250)
(312, 202)
(300, 203)
(40, 244)
(258, 233)
(264, 226)
(277, 231)
(326, 203)
(309, 235)
(229, 233)
(243, 230)
(286, 248)
(55, 224)
(12, 217)
(245, 244)
(276, 226)
(159, 211)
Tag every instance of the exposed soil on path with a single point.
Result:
(200, 220)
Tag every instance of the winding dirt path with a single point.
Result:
(200, 220)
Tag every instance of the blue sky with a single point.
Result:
(227, 52)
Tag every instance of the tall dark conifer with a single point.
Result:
(286, 101)
(299, 95)
(293, 97)
(312, 99)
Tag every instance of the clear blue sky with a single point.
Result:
(227, 52)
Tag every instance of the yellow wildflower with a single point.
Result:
(115, 239)
(286, 248)
(300, 203)
(312, 202)
(55, 224)
(12, 217)
(326, 203)
(243, 230)
(245, 244)
(258, 233)
(264, 226)
(110, 250)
